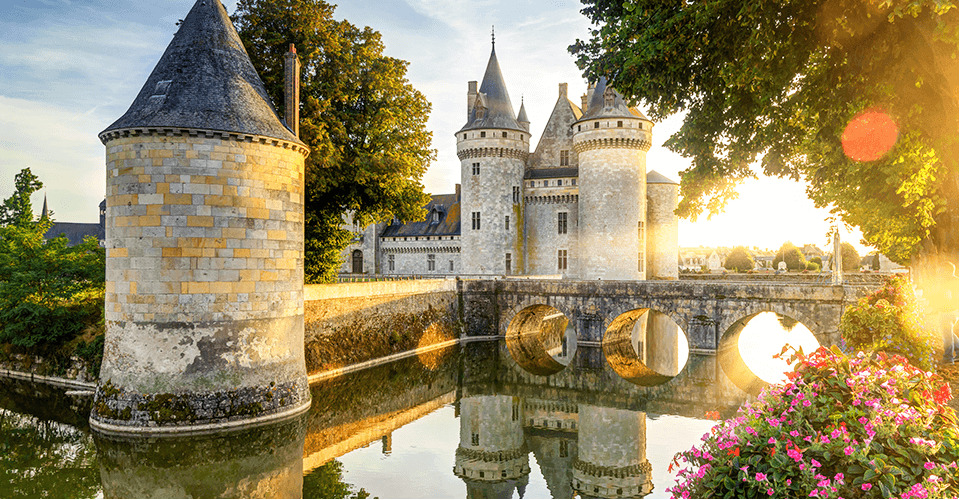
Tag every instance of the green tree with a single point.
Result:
(363, 121)
(818, 261)
(792, 255)
(17, 209)
(851, 259)
(781, 82)
(739, 259)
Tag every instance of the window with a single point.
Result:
(476, 168)
(475, 440)
(578, 128)
(431, 262)
(464, 136)
(546, 183)
(483, 134)
(532, 183)
(435, 218)
(564, 449)
(516, 194)
(451, 265)
(390, 262)
(640, 230)
(619, 123)
(475, 220)
(559, 182)
(562, 223)
(596, 124)
(504, 135)
(508, 262)
(640, 262)
(561, 260)
(573, 182)
(564, 158)
(516, 409)
(506, 222)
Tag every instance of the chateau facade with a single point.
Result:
(582, 205)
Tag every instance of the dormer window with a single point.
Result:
(564, 157)
(608, 97)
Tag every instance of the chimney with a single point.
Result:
(291, 90)
(471, 97)
(458, 193)
(563, 90)
(585, 99)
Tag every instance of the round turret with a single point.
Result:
(611, 454)
(492, 448)
(663, 250)
(493, 148)
(204, 238)
(611, 140)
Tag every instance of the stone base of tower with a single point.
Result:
(179, 377)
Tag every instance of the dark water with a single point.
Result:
(464, 422)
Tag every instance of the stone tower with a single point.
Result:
(663, 250)
(612, 454)
(204, 237)
(611, 140)
(492, 459)
(493, 148)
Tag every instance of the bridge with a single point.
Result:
(709, 313)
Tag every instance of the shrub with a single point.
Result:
(870, 426)
(740, 259)
(792, 255)
(889, 320)
(813, 266)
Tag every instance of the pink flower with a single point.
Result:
(836, 433)
(823, 483)
(769, 492)
(838, 478)
(806, 402)
(866, 486)
(789, 482)
(814, 463)
(771, 441)
(929, 465)
(848, 450)
(760, 476)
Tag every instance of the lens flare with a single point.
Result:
(869, 136)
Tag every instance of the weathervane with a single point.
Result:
(493, 36)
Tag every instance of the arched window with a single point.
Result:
(357, 262)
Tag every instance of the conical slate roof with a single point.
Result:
(522, 114)
(654, 177)
(205, 80)
(598, 108)
(498, 112)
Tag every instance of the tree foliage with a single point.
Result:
(49, 291)
(781, 82)
(739, 259)
(851, 259)
(363, 121)
(792, 255)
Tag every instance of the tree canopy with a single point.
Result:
(851, 258)
(17, 210)
(814, 89)
(739, 259)
(792, 255)
(363, 121)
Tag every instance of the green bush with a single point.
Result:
(792, 255)
(870, 426)
(889, 320)
(740, 259)
(813, 266)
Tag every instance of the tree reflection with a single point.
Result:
(326, 481)
(45, 459)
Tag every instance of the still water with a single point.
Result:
(467, 422)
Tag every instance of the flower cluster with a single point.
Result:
(868, 426)
(889, 320)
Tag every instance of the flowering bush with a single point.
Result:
(870, 426)
(889, 320)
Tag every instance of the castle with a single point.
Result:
(581, 205)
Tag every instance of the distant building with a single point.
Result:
(77, 231)
(810, 251)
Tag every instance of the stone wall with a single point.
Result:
(349, 323)
(411, 255)
(543, 204)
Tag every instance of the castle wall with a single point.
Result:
(491, 194)
(204, 278)
(411, 255)
(365, 240)
(543, 237)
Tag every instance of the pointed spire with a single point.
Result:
(44, 213)
(496, 110)
(205, 80)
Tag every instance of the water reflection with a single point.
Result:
(471, 423)
(264, 462)
(748, 348)
(542, 339)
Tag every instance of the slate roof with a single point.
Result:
(75, 231)
(448, 208)
(493, 93)
(654, 177)
(522, 115)
(551, 172)
(205, 80)
(597, 107)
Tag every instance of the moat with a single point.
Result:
(466, 421)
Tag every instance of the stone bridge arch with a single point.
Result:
(820, 322)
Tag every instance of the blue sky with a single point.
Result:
(68, 68)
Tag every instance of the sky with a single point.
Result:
(69, 68)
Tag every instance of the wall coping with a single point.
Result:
(377, 288)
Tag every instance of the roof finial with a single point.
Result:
(493, 36)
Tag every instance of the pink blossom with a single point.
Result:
(814, 463)
(760, 476)
(836, 433)
(838, 478)
(848, 450)
(866, 486)
(789, 482)
(771, 441)
(929, 465)
(806, 402)
(824, 439)
(770, 492)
